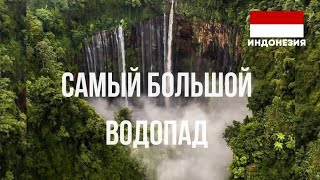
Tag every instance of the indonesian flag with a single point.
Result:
(276, 24)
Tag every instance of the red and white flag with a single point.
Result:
(276, 24)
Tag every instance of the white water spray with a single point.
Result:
(123, 60)
(169, 53)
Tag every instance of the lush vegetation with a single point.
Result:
(281, 139)
(44, 135)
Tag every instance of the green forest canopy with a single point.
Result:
(44, 135)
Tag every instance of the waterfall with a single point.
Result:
(164, 38)
(144, 83)
(122, 61)
(169, 60)
(106, 52)
(169, 53)
(151, 45)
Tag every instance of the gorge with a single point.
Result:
(192, 47)
(172, 43)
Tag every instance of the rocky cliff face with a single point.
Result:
(206, 46)
(148, 43)
(196, 47)
(219, 45)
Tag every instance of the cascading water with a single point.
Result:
(121, 52)
(169, 53)
(149, 42)
(164, 37)
(106, 53)
(151, 46)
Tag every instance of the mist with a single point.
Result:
(165, 162)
